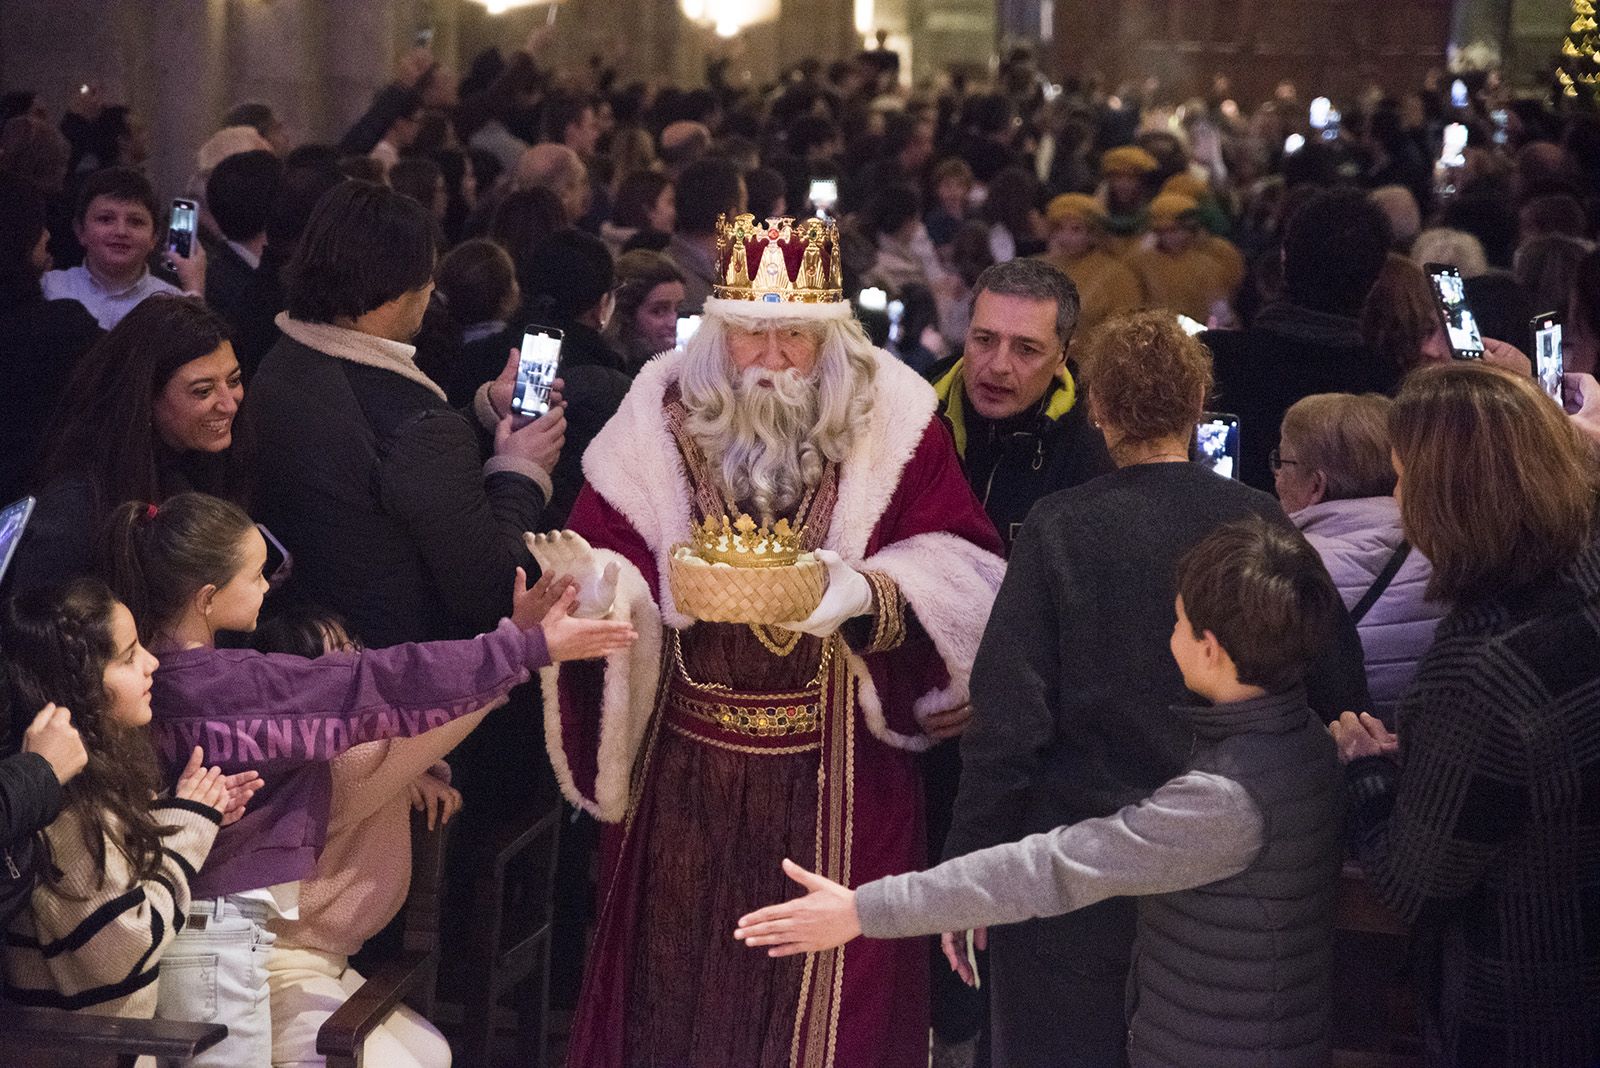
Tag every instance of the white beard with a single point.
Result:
(760, 450)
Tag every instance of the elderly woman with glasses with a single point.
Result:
(1335, 479)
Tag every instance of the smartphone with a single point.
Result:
(1317, 114)
(1455, 145)
(536, 372)
(687, 325)
(1450, 297)
(897, 315)
(1216, 443)
(824, 194)
(1458, 94)
(185, 225)
(1548, 364)
(1501, 119)
(423, 38)
(13, 521)
(1191, 326)
(1293, 143)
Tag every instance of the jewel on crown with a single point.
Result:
(778, 260)
(740, 543)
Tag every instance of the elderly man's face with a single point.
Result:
(775, 349)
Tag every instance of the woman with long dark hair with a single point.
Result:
(1477, 823)
(148, 413)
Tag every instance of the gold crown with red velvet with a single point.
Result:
(782, 267)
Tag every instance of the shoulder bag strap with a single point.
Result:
(1386, 576)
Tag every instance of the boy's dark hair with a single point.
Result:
(118, 183)
(479, 281)
(1263, 591)
(240, 193)
(707, 189)
(364, 246)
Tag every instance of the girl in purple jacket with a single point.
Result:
(192, 568)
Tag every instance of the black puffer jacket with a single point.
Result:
(30, 798)
(379, 490)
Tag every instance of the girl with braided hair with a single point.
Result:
(115, 865)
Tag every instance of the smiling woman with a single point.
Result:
(150, 412)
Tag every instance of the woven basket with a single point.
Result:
(765, 595)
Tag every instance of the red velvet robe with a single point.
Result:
(876, 1014)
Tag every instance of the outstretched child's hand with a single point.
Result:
(567, 637)
(529, 605)
(824, 919)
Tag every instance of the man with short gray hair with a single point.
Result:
(1010, 398)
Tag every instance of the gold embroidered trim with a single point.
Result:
(889, 613)
(775, 645)
(761, 721)
(809, 693)
(750, 750)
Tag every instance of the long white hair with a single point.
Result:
(766, 446)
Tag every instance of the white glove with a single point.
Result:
(848, 595)
(568, 554)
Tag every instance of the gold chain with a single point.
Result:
(718, 687)
(776, 646)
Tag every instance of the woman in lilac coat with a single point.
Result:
(1335, 479)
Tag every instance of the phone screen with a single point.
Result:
(824, 193)
(185, 223)
(13, 521)
(1458, 94)
(1191, 326)
(1216, 443)
(1548, 364)
(687, 325)
(1450, 296)
(536, 371)
(897, 314)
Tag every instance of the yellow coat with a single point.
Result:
(1107, 286)
(1191, 282)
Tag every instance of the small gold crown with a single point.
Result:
(740, 543)
(782, 261)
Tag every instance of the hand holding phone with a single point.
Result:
(824, 194)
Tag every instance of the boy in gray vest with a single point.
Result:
(1235, 862)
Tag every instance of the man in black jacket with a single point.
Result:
(239, 194)
(375, 484)
(1310, 340)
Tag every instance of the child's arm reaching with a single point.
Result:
(1194, 830)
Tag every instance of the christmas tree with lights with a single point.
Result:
(1579, 69)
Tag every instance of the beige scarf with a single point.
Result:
(368, 350)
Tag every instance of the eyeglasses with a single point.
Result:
(1276, 461)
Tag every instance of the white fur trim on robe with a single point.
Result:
(627, 699)
(950, 585)
(635, 465)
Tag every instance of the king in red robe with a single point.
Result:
(713, 750)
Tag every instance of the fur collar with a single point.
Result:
(365, 349)
(634, 463)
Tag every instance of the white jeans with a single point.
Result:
(308, 985)
(215, 971)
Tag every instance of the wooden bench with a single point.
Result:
(54, 1037)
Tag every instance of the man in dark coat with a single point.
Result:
(374, 483)
(1310, 340)
(1022, 432)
